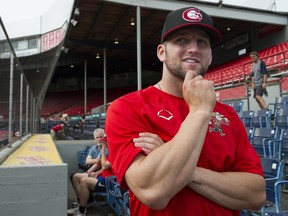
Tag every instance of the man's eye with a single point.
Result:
(202, 42)
(181, 40)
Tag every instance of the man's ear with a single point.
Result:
(161, 52)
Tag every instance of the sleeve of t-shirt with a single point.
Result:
(123, 123)
(263, 67)
(90, 152)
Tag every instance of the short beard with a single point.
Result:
(180, 73)
(203, 71)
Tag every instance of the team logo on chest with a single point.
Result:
(165, 114)
(216, 122)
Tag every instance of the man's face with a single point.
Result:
(187, 49)
(97, 137)
(254, 57)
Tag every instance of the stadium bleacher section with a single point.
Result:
(72, 103)
(237, 71)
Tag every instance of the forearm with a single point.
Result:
(95, 174)
(93, 168)
(233, 190)
(252, 82)
(104, 163)
(265, 78)
(91, 161)
(152, 178)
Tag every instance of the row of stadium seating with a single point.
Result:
(274, 174)
(72, 103)
(271, 144)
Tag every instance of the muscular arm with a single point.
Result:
(152, 178)
(233, 190)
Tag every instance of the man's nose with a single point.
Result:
(193, 46)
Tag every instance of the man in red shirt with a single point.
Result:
(206, 165)
(57, 129)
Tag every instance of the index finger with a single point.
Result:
(190, 75)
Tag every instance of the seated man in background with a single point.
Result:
(94, 155)
(93, 159)
(91, 182)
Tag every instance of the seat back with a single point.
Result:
(87, 134)
(249, 131)
(237, 105)
(126, 204)
(246, 117)
(121, 206)
(272, 168)
(280, 103)
(111, 181)
(273, 174)
(261, 118)
(281, 118)
(283, 153)
(260, 139)
(82, 155)
(278, 148)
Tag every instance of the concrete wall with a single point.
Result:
(46, 190)
(33, 178)
(33, 190)
(68, 150)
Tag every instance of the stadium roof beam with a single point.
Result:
(229, 12)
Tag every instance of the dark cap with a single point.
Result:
(190, 17)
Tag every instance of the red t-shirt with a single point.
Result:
(57, 128)
(226, 147)
(107, 172)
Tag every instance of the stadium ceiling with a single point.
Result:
(95, 25)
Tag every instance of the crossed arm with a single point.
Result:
(249, 192)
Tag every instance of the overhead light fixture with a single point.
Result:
(228, 29)
(37, 71)
(77, 12)
(64, 49)
(132, 21)
(73, 22)
(116, 41)
(72, 66)
(97, 56)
